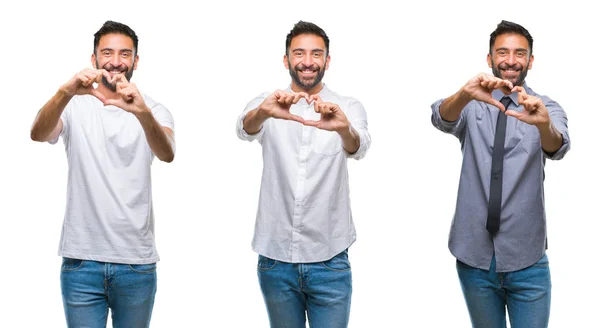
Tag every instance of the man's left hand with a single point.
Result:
(130, 99)
(332, 116)
(534, 111)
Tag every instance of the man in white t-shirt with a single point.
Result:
(111, 134)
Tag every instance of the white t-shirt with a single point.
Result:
(109, 216)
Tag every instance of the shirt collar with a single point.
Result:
(497, 94)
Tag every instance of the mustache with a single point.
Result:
(515, 66)
(313, 67)
(121, 68)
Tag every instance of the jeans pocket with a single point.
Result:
(463, 265)
(265, 263)
(143, 268)
(69, 264)
(543, 262)
(339, 262)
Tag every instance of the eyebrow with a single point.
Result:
(314, 50)
(518, 49)
(111, 49)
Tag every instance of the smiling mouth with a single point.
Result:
(308, 72)
(511, 71)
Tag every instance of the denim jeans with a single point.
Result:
(90, 288)
(524, 293)
(321, 290)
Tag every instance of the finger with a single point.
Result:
(514, 113)
(98, 95)
(280, 96)
(531, 104)
(297, 98)
(289, 99)
(487, 84)
(315, 124)
(104, 73)
(120, 78)
(122, 85)
(85, 79)
(522, 96)
(114, 102)
(127, 93)
(496, 103)
(315, 98)
(518, 89)
(296, 118)
(305, 96)
(325, 108)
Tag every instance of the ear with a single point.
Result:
(93, 60)
(135, 61)
(286, 62)
(530, 62)
(327, 62)
(489, 60)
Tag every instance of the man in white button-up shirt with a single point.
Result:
(304, 223)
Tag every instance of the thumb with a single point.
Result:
(98, 95)
(111, 102)
(498, 104)
(514, 114)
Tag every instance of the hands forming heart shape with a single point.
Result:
(481, 86)
(129, 98)
(277, 105)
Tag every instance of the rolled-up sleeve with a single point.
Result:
(560, 122)
(358, 120)
(455, 128)
(241, 133)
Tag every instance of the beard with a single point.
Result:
(518, 81)
(306, 84)
(122, 69)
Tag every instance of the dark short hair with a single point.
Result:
(306, 28)
(506, 27)
(118, 28)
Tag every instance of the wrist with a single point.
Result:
(63, 91)
(544, 127)
(142, 112)
(261, 114)
(463, 95)
(345, 130)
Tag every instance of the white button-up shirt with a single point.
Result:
(304, 207)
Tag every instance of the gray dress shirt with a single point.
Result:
(521, 240)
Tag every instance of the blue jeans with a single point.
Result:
(525, 293)
(90, 288)
(322, 290)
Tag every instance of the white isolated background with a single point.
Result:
(206, 60)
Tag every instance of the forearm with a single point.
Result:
(452, 106)
(254, 121)
(48, 117)
(160, 142)
(350, 140)
(550, 137)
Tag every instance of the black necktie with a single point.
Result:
(495, 203)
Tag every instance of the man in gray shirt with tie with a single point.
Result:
(498, 234)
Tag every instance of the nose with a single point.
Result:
(115, 60)
(511, 59)
(307, 60)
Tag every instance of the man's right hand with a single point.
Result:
(83, 83)
(481, 86)
(277, 105)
